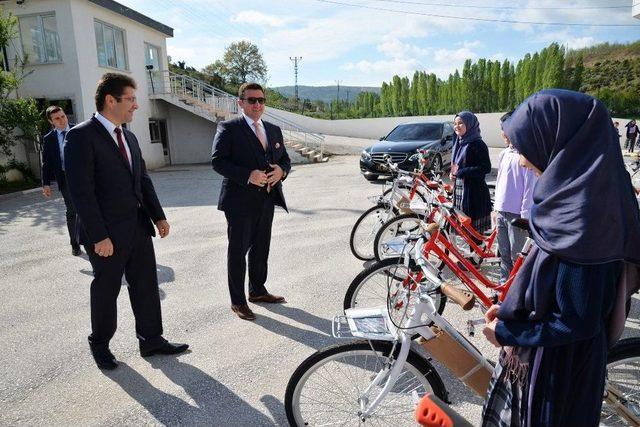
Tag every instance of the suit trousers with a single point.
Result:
(138, 264)
(70, 213)
(249, 232)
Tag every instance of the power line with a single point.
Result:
(464, 18)
(473, 6)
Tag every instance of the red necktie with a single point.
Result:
(123, 150)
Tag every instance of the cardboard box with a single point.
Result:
(459, 361)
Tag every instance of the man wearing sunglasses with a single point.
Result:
(250, 154)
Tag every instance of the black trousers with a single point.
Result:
(249, 233)
(138, 264)
(70, 213)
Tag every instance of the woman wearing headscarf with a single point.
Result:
(470, 164)
(566, 306)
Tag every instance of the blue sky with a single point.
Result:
(364, 46)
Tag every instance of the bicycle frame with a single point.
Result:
(434, 245)
(425, 307)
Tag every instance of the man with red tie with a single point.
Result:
(250, 154)
(117, 207)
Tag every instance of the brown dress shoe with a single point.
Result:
(270, 298)
(243, 312)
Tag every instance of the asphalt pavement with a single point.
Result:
(236, 371)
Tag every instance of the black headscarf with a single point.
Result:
(472, 134)
(584, 208)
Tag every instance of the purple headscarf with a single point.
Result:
(460, 144)
(584, 207)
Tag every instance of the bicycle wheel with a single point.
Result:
(330, 387)
(397, 226)
(371, 287)
(402, 194)
(623, 374)
(365, 229)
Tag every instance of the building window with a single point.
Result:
(40, 41)
(110, 46)
(152, 56)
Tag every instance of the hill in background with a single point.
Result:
(325, 93)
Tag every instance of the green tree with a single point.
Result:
(19, 117)
(242, 61)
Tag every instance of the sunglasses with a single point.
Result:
(252, 100)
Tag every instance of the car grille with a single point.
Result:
(395, 157)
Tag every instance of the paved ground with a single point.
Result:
(237, 371)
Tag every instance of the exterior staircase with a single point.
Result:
(215, 105)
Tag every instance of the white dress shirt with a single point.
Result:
(110, 127)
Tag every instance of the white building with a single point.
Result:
(71, 43)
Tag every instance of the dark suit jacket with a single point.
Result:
(107, 195)
(51, 164)
(236, 152)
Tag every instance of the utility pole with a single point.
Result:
(295, 60)
(338, 99)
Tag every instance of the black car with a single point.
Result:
(402, 144)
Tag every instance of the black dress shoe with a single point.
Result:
(164, 348)
(104, 358)
(76, 251)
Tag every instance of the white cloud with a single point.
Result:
(443, 56)
(394, 48)
(253, 17)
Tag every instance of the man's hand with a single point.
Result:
(258, 178)
(163, 228)
(104, 248)
(275, 175)
(46, 191)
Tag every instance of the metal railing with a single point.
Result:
(200, 94)
(184, 86)
(296, 132)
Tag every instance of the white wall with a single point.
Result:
(190, 136)
(77, 76)
(136, 34)
(375, 128)
(53, 81)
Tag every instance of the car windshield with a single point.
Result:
(416, 132)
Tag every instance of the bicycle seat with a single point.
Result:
(521, 223)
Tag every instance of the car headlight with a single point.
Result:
(414, 158)
(366, 155)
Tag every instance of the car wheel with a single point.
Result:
(371, 177)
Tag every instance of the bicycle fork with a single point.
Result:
(392, 376)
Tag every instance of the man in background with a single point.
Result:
(53, 168)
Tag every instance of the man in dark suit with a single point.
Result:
(250, 154)
(53, 168)
(117, 207)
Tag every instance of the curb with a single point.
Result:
(19, 193)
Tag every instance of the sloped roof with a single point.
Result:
(123, 10)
